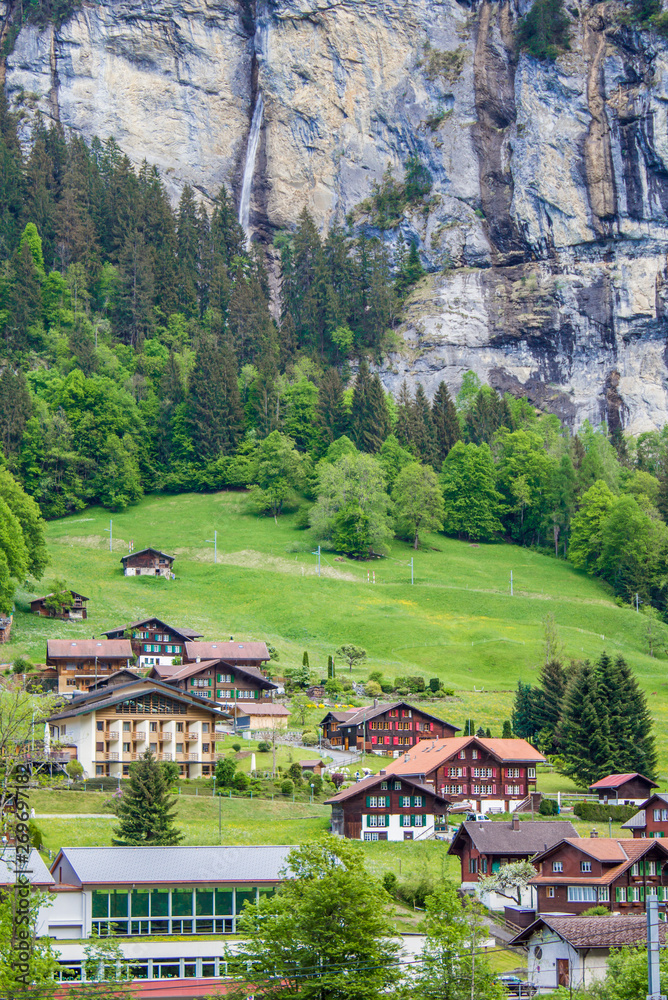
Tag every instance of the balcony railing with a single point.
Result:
(191, 737)
(166, 737)
(191, 756)
(164, 756)
(109, 755)
(112, 734)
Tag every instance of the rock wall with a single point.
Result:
(546, 231)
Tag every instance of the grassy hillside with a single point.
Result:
(458, 621)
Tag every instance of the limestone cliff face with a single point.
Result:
(546, 232)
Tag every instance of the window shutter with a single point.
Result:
(493, 789)
(642, 893)
(507, 789)
(494, 772)
(395, 740)
(412, 820)
(629, 894)
(412, 800)
(619, 894)
(431, 727)
(465, 789)
(368, 801)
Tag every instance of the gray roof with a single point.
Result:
(169, 865)
(637, 821)
(490, 837)
(595, 932)
(187, 633)
(37, 872)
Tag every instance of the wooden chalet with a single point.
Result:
(154, 641)
(386, 807)
(259, 716)
(576, 874)
(623, 789)
(148, 562)
(81, 663)
(243, 654)
(651, 820)
(492, 775)
(74, 612)
(385, 729)
(482, 847)
(313, 766)
(113, 726)
(5, 627)
(218, 680)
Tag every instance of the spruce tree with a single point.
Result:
(332, 417)
(522, 715)
(215, 416)
(640, 743)
(404, 430)
(370, 420)
(445, 423)
(147, 810)
(585, 734)
(507, 733)
(549, 699)
(423, 439)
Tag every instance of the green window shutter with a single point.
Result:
(642, 893)
(413, 801)
(629, 894)
(412, 820)
(368, 802)
(619, 894)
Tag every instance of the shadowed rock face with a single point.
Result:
(546, 234)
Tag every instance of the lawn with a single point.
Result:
(458, 621)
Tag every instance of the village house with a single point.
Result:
(259, 716)
(492, 775)
(651, 820)
(576, 874)
(242, 654)
(147, 562)
(572, 952)
(482, 847)
(5, 627)
(220, 681)
(384, 729)
(113, 726)
(75, 611)
(82, 662)
(386, 807)
(623, 789)
(154, 642)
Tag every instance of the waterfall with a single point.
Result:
(249, 168)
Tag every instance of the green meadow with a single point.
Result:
(457, 622)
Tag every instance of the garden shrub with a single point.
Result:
(287, 787)
(600, 813)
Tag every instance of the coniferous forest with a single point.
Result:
(143, 350)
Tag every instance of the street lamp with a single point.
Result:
(311, 793)
(214, 786)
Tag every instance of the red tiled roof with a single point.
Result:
(227, 650)
(427, 755)
(622, 853)
(615, 780)
(86, 649)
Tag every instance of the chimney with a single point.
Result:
(382, 771)
(516, 822)
(198, 659)
(593, 835)
(375, 703)
(231, 638)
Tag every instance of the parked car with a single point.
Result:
(517, 987)
(476, 817)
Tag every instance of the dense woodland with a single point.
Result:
(141, 352)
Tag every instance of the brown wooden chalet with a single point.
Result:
(384, 728)
(76, 611)
(493, 775)
(244, 654)
(147, 562)
(385, 807)
(651, 820)
(218, 680)
(82, 662)
(154, 641)
(632, 788)
(575, 875)
(483, 846)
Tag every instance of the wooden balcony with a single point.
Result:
(166, 737)
(191, 737)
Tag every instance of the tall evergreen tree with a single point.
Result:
(214, 409)
(549, 699)
(523, 714)
(585, 733)
(332, 417)
(404, 430)
(445, 422)
(423, 440)
(637, 748)
(369, 417)
(147, 810)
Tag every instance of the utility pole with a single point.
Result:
(653, 970)
(110, 530)
(317, 553)
(511, 583)
(215, 546)
(220, 818)
(412, 580)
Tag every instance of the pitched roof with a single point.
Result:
(313, 762)
(140, 552)
(616, 780)
(637, 822)
(619, 853)
(253, 708)
(227, 650)
(375, 779)
(500, 838)
(37, 872)
(361, 715)
(338, 716)
(105, 698)
(185, 670)
(86, 649)
(185, 633)
(594, 932)
(69, 589)
(149, 865)
(427, 755)
(112, 680)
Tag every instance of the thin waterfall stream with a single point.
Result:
(249, 168)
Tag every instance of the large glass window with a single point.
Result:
(170, 911)
(224, 902)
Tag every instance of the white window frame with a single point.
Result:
(557, 866)
(582, 894)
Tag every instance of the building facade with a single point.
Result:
(83, 662)
(491, 775)
(76, 611)
(154, 642)
(483, 847)
(112, 727)
(576, 874)
(384, 729)
(381, 807)
(651, 820)
(624, 789)
(220, 682)
(148, 562)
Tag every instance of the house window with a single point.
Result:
(405, 801)
(179, 727)
(397, 786)
(462, 754)
(635, 869)
(581, 894)
(664, 815)
(154, 727)
(474, 755)
(512, 772)
(419, 820)
(549, 891)
(179, 747)
(418, 801)
(657, 815)
(100, 727)
(383, 786)
(126, 727)
(483, 866)
(531, 772)
(473, 866)
(651, 867)
(373, 802)
(405, 821)
(205, 727)
(557, 866)
(585, 866)
(604, 894)
(126, 748)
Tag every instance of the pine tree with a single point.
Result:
(638, 743)
(332, 417)
(445, 423)
(522, 715)
(404, 430)
(214, 410)
(423, 429)
(507, 733)
(188, 242)
(549, 699)
(147, 810)
(585, 734)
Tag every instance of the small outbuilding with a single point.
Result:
(313, 766)
(260, 716)
(624, 789)
(148, 562)
(74, 610)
